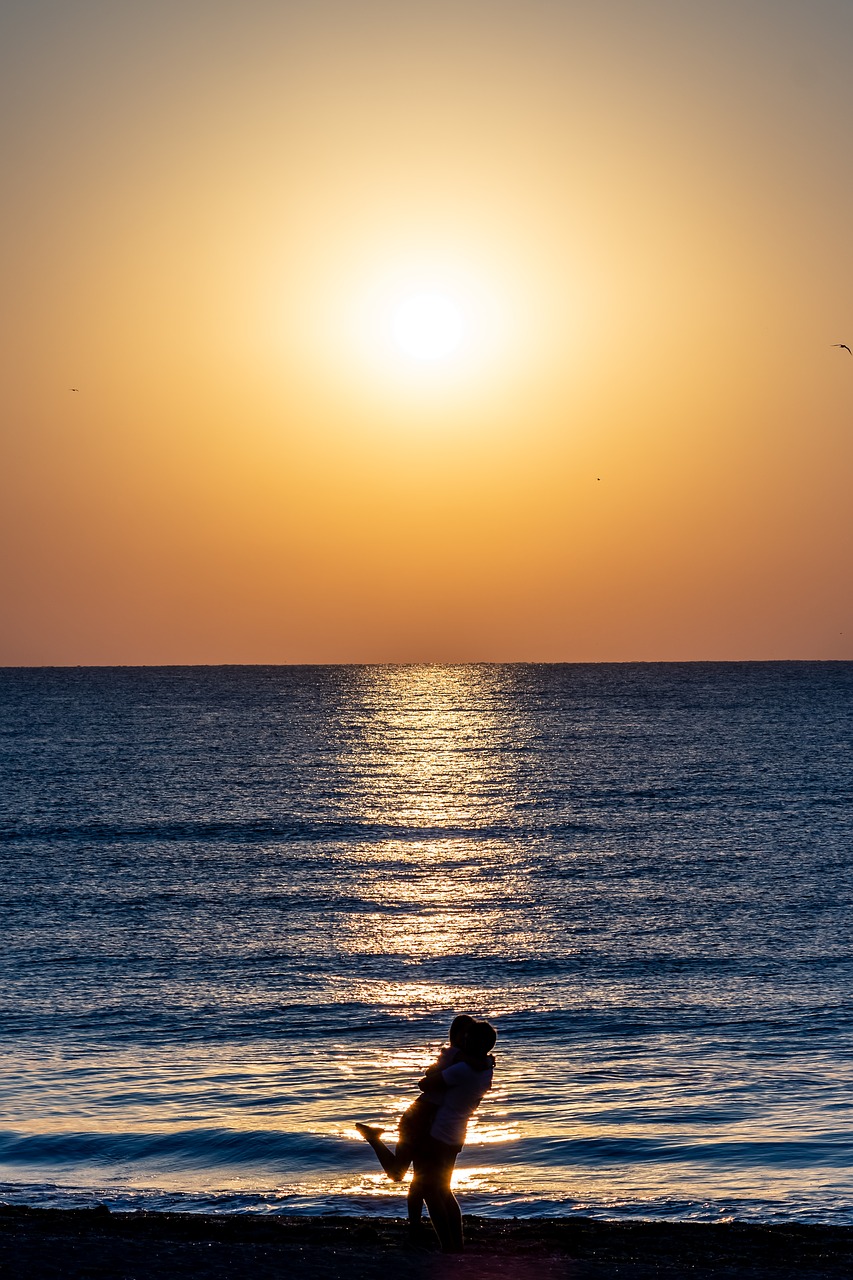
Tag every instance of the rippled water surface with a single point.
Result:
(241, 905)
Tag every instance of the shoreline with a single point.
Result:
(164, 1246)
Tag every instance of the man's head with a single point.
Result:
(481, 1038)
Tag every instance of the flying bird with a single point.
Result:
(844, 346)
(73, 388)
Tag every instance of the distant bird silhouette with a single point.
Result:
(73, 388)
(844, 347)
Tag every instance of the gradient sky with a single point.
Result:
(642, 451)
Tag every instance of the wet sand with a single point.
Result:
(94, 1244)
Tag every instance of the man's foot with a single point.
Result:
(369, 1133)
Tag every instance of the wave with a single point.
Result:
(284, 831)
(297, 831)
(828, 1150)
(230, 1148)
(197, 1148)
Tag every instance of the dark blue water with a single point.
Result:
(241, 905)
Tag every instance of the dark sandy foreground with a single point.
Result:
(93, 1244)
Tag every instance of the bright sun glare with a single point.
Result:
(429, 323)
(428, 326)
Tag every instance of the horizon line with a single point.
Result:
(486, 662)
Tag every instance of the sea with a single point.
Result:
(241, 905)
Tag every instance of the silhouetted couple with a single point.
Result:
(432, 1130)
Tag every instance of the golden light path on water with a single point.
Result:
(420, 765)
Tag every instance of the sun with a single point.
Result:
(423, 326)
(428, 326)
(420, 327)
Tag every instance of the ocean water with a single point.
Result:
(240, 906)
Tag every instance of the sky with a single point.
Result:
(446, 333)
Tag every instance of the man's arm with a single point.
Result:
(458, 1073)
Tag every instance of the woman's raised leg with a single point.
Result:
(395, 1163)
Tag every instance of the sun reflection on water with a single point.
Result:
(427, 750)
(432, 761)
(433, 752)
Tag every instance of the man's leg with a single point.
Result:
(445, 1216)
(453, 1219)
(435, 1166)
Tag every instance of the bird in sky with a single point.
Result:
(73, 388)
(844, 346)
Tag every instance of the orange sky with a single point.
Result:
(644, 448)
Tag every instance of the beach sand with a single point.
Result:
(94, 1244)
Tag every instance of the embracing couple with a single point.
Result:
(432, 1129)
